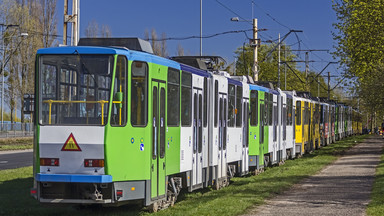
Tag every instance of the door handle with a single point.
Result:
(152, 167)
(163, 165)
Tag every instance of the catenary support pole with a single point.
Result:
(255, 45)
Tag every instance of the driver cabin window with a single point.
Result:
(139, 93)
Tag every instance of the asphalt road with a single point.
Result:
(15, 159)
(342, 188)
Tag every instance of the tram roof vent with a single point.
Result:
(304, 94)
(240, 78)
(129, 43)
(201, 62)
(266, 84)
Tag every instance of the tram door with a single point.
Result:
(245, 134)
(197, 137)
(222, 136)
(158, 186)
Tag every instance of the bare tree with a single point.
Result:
(93, 30)
(164, 52)
(105, 31)
(37, 18)
(180, 50)
(48, 21)
(159, 47)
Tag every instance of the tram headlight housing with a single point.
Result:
(93, 163)
(49, 162)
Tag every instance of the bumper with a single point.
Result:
(73, 178)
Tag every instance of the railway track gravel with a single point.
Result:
(342, 188)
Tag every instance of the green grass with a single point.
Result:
(242, 194)
(7, 144)
(376, 206)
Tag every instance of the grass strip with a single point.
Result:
(376, 206)
(235, 199)
(7, 144)
(244, 193)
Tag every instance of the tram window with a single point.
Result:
(246, 117)
(48, 84)
(173, 106)
(225, 127)
(82, 86)
(119, 108)
(186, 98)
(231, 105)
(291, 112)
(270, 109)
(305, 110)
(285, 123)
(155, 117)
(216, 101)
(139, 93)
(205, 102)
(298, 112)
(275, 115)
(254, 106)
(162, 123)
(199, 126)
(274, 123)
(288, 112)
(239, 96)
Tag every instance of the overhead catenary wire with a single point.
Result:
(229, 9)
(207, 36)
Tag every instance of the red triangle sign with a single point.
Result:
(71, 144)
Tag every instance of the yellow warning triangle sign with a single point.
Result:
(71, 144)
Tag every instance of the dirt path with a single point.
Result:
(342, 188)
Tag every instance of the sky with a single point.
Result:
(179, 18)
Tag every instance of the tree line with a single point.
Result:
(359, 32)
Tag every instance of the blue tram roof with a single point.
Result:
(131, 54)
(194, 70)
(234, 82)
(262, 88)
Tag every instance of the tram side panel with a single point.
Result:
(254, 133)
(218, 147)
(245, 129)
(234, 132)
(299, 127)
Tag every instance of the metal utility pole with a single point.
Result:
(278, 72)
(201, 27)
(255, 44)
(329, 82)
(2, 71)
(306, 70)
(285, 68)
(318, 87)
(65, 23)
(74, 19)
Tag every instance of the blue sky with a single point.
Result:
(179, 18)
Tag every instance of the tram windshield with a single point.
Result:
(74, 89)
